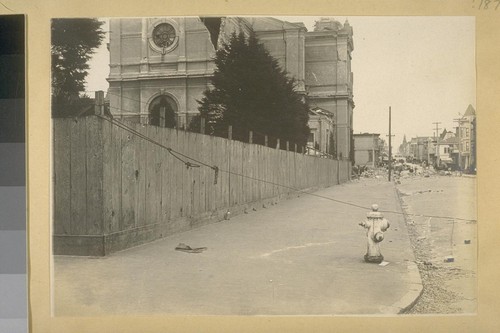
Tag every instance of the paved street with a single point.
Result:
(449, 287)
(302, 256)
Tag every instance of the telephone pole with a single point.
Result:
(436, 148)
(459, 121)
(390, 146)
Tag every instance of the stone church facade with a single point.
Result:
(168, 62)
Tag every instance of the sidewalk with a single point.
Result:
(303, 256)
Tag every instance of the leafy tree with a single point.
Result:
(251, 92)
(73, 43)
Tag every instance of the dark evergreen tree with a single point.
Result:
(73, 43)
(251, 92)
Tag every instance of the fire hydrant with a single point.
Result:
(376, 225)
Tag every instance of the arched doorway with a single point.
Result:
(163, 112)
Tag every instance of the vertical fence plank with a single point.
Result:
(78, 177)
(157, 212)
(112, 180)
(218, 161)
(178, 169)
(223, 148)
(129, 180)
(149, 152)
(203, 173)
(261, 173)
(107, 172)
(62, 176)
(255, 174)
(212, 200)
(165, 177)
(94, 169)
(141, 165)
(153, 176)
(243, 179)
(194, 150)
(237, 178)
(186, 177)
(167, 181)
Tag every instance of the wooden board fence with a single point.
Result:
(114, 190)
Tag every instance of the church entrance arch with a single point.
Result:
(163, 112)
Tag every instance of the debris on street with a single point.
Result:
(186, 248)
(447, 265)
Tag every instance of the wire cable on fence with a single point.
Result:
(176, 154)
(271, 137)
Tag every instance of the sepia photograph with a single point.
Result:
(263, 166)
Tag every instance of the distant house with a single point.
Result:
(367, 149)
(419, 148)
(447, 152)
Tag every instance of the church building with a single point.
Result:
(168, 62)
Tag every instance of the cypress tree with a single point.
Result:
(252, 92)
(74, 40)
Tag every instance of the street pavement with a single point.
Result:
(302, 256)
(450, 286)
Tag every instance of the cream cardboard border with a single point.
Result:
(39, 13)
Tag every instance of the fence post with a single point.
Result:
(295, 147)
(99, 103)
(287, 146)
(250, 137)
(278, 143)
(230, 132)
(163, 112)
(202, 125)
(265, 140)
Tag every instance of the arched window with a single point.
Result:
(163, 112)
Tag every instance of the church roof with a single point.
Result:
(271, 24)
(470, 111)
(443, 134)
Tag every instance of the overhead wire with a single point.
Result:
(174, 153)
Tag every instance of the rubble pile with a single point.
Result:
(400, 171)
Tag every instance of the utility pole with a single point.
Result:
(459, 120)
(436, 150)
(390, 147)
(373, 150)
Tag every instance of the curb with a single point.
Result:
(409, 300)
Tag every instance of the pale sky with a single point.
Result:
(423, 67)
